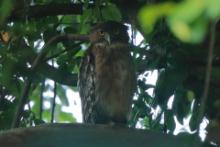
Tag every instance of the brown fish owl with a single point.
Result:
(107, 79)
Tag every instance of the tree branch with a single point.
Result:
(86, 135)
(207, 75)
(61, 52)
(21, 102)
(36, 62)
(41, 98)
(58, 75)
(53, 102)
(38, 11)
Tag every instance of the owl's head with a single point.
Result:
(109, 31)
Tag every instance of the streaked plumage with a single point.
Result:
(107, 76)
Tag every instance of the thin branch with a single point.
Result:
(41, 98)
(58, 75)
(36, 62)
(61, 52)
(54, 102)
(56, 38)
(207, 75)
(21, 103)
(54, 99)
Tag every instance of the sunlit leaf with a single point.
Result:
(47, 115)
(189, 32)
(187, 11)
(190, 95)
(149, 15)
(64, 117)
(182, 30)
(35, 99)
(213, 8)
(80, 53)
(186, 22)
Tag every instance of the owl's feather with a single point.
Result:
(107, 79)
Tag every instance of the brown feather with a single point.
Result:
(107, 79)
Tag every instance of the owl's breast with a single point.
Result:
(115, 80)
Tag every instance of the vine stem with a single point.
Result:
(207, 76)
(53, 99)
(41, 98)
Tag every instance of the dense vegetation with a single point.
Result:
(180, 43)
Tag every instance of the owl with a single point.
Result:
(107, 78)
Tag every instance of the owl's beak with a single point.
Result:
(107, 38)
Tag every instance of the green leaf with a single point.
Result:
(80, 53)
(189, 32)
(149, 15)
(66, 117)
(35, 97)
(111, 12)
(185, 19)
(61, 92)
(47, 115)
(68, 19)
(188, 26)
(38, 121)
(190, 95)
(187, 11)
(87, 16)
(5, 8)
(212, 8)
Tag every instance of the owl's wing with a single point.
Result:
(86, 86)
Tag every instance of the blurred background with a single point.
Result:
(176, 51)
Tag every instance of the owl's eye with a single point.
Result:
(101, 32)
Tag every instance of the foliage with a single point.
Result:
(175, 45)
(188, 26)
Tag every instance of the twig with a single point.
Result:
(21, 103)
(36, 62)
(41, 98)
(61, 52)
(54, 102)
(54, 99)
(207, 76)
(57, 38)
